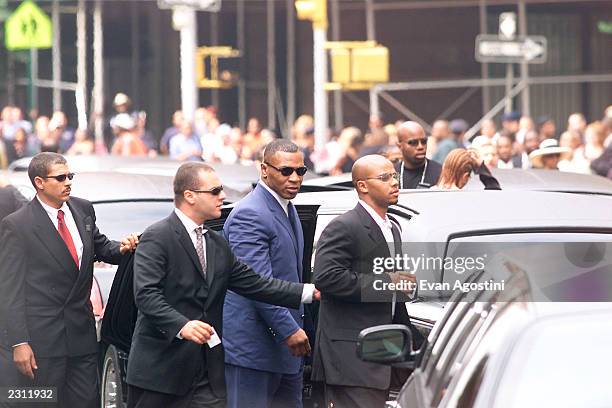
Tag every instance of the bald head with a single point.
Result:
(368, 166)
(376, 182)
(410, 128)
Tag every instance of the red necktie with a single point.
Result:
(65, 234)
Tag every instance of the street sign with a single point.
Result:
(531, 49)
(28, 27)
(203, 5)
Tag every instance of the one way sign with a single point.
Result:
(531, 49)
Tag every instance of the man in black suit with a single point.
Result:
(343, 271)
(10, 200)
(181, 275)
(47, 327)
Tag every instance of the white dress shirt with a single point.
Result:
(70, 223)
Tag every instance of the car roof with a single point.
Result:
(438, 214)
(238, 177)
(107, 186)
(509, 179)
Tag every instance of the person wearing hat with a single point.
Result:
(128, 142)
(121, 104)
(547, 156)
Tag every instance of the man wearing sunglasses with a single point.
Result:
(416, 171)
(47, 327)
(264, 353)
(182, 273)
(343, 271)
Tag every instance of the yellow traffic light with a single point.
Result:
(357, 65)
(313, 10)
(223, 79)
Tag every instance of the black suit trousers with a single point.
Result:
(75, 380)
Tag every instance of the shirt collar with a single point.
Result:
(51, 210)
(282, 201)
(187, 222)
(381, 222)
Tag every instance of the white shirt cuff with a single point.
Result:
(25, 342)
(308, 292)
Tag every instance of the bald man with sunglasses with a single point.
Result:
(415, 170)
(47, 327)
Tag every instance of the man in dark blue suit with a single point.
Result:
(265, 344)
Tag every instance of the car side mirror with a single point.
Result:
(386, 344)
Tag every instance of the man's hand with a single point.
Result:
(298, 343)
(24, 360)
(197, 331)
(316, 295)
(407, 279)
(128, 243)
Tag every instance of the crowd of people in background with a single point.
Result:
(518, 142)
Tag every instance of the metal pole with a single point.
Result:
(509, 81)
(188, 29)
(371, 34)
(271, 56)
(81, 21)
(98, 88)
(214, 40)
(320, 77)
(290, 63)
(525, 95)
(10, 77)
(135, 28)
(56, 55)
(240, 21)
(484, 67)
(33, 78)
(338, 108)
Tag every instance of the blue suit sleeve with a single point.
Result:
(249, 239)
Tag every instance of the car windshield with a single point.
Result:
(118, 219)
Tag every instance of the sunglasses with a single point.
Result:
(385, 177)
(214, 191)
(287, 171)
(61, 177)
(416, 142)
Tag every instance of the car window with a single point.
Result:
(118, 219)
(555, 260)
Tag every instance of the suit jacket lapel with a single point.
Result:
(186, 242)
(210, 258)
(374, 232)
(279, 214)
(48, 235)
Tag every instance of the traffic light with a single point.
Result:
(313, 10)
(357, 65)
(218, 79)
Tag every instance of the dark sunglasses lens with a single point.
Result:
(415, 142)
(60, 178)
(286, 171)
(70, 176)
(301, 171)
(217, 190)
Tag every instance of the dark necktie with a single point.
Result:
(200, 248)
(65, 234)
(292, 220)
